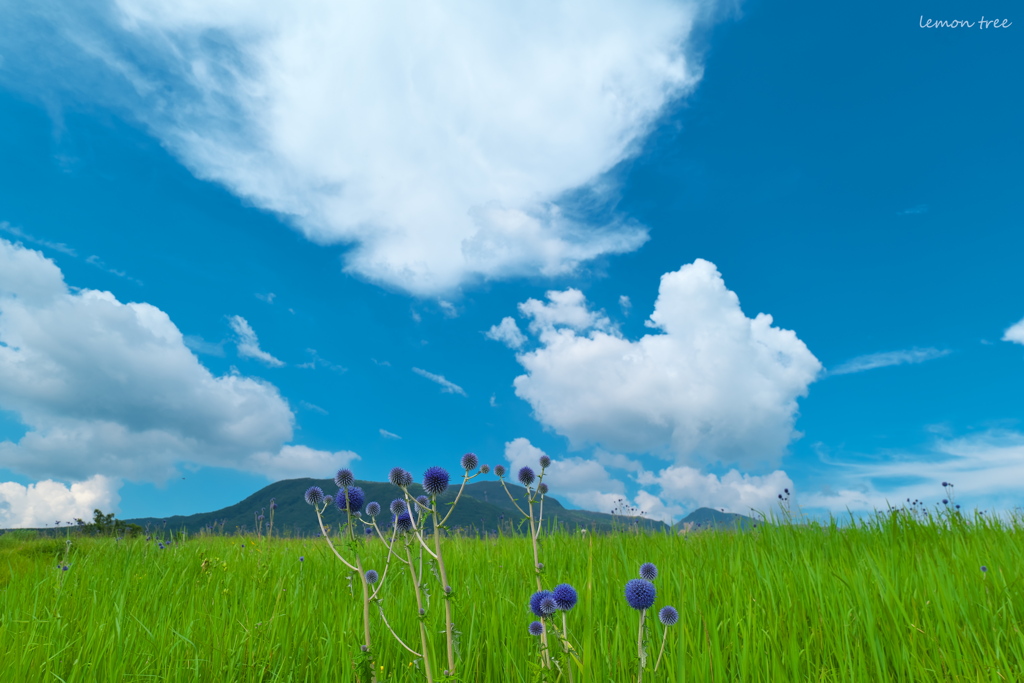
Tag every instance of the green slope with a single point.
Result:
(484, 506)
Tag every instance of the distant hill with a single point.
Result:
(706, 518)
(484, 507)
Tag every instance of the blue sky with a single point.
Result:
(697, 253)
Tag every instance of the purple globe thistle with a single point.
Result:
(356, 497)
(373, 508)
(545, 462)
(945, 501)
(565, 597)
(328, 501)
(399, 477)
(984, 568)
(499, 471)
(648, 571)
(397, 506)
(640, 593)
(945, 484)
(668, 615)
(469, 461)
(273, 505)
(344, 478)
(484, 469)
(542, 489)
(260, 518)
(435, 480)
(548, 606)
(537, 604)
(536, 628)
(526, 476)
(314, 495)
(371, 576)
(423, 502)
(403, 522)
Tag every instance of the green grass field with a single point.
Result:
(894, 601)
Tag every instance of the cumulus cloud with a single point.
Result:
(1015, 333)
(446, 386)
(44, 503)
(733, 491)
(247, 343)
(712, 385)
(507, 332)
(111, 389)
(293, 462)
(882, 360)
(582, 482)
(437, 139)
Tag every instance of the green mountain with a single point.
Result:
(703, 519)
(484, 506)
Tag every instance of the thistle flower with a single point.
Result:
(373, 508)
(984, 568)
(536, 628)
(469, 461)
(542, 488)
(537, 603)
(548, 606)
(499, 470)
(484, 469)
(545, 462)
(273, 505)
(355, 499)
(328, 501)
(640, 593)
(423, 502)
(526, 476)
(399, 477)
(371, 576)
(648, 571)
(668, 615)
(435, 480)
(344, 478)
(403, 522)
(565, 597)
(314, 495)
(397, 506)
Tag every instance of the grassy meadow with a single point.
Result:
(901, 599)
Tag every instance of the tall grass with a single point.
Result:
(899, 599)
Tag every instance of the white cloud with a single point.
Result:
(1015, 333)
(986, 469)
(713, 385)
(388, 435)
(882, 360)
(582, 482)
(111, 389)
(436, 138)
(733, 491)
(267, 298)
(507, 332)
(44, 503)
(625, 304)
(248, 344)
(293, 462)
(200, 345)
(566, 309)
(446, 386)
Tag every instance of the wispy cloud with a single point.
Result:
(318, 361)
(446, 386)
(97, 262)
(248, 344)
(268, 298)
(25, 237)
(388, 435)
(914, 210)
(312, 406)
(882, 360)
